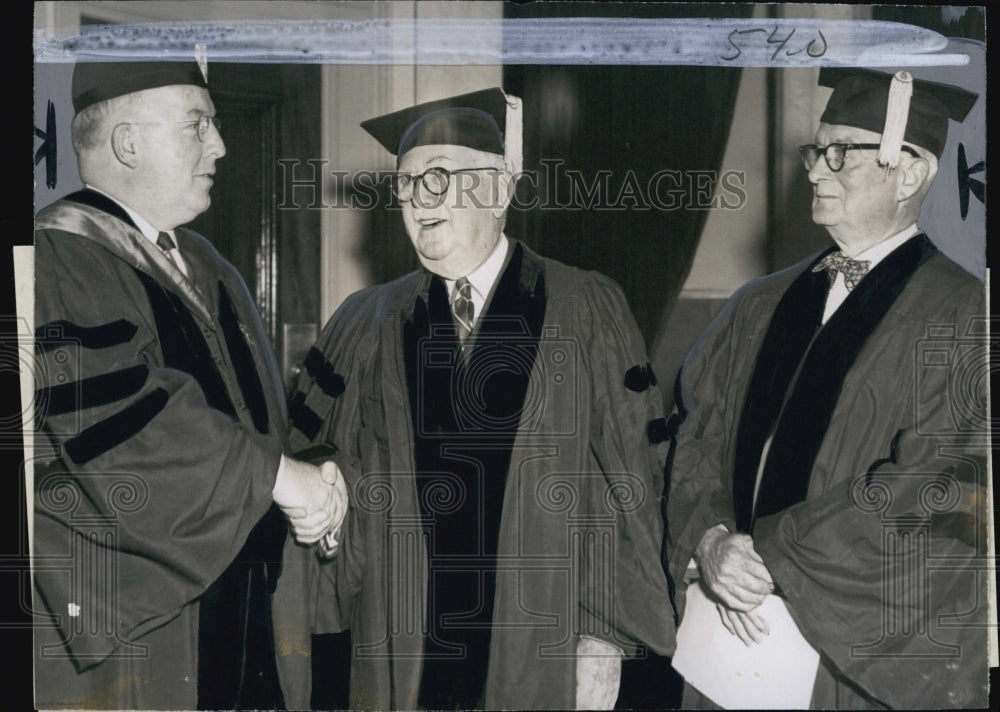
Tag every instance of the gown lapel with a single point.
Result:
(100, 219)
(805, 416)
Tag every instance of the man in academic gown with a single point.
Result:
(161, 421)
(500, 428)
(832, 448)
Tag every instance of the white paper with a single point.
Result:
(777, 673)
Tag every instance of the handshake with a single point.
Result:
(315, 501)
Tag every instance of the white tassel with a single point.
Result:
(513, 158)
(896, 112)
(201, 56)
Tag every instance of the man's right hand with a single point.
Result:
(313, 499)
(732, 570)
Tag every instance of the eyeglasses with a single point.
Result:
(435, 181)
(203, 123)
(836, 153)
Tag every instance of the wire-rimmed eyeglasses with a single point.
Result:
(202, 124)
(836, 153)
(435, 181)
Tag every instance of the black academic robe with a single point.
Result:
(568, 492)
(161, 423)
(872, 511)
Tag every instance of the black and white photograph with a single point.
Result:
(404, 355)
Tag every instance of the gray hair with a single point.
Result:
(92, 125)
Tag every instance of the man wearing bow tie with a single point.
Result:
(806, 401)
(161, 421)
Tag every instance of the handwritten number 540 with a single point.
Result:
(816, 47)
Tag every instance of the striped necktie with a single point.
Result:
(463, 308)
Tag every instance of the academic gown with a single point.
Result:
(578, 532)
(162, 421)
(872, 511)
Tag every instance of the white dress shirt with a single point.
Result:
(150, 232)
(482, 279)
(873, 255)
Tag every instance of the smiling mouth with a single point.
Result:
(430, 223)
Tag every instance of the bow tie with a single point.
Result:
(853, 270)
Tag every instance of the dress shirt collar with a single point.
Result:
(873, 255)
(879, 251)
(483, 277)
(150, 232)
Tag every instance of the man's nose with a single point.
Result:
(423, 199)
(213, 142)
(819, 170)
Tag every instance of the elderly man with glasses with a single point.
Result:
(497, 419)
(813, 476)
(161, 421)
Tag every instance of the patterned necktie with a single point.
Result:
(463, 308)
(853, 270)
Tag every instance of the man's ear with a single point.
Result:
(123, 144)
(914, 175)
(505, 193)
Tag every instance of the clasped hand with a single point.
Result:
(313, 498)
(739, 580)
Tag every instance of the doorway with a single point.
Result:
(268, 112)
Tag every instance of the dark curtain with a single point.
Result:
(971, 23)
(616, 128)
(610, 131)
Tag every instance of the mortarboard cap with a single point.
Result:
(897, 106)
(486, 120)
(99, 81)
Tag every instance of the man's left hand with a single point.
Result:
(329, 544)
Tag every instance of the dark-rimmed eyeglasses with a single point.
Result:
(836, 153)
(202, 124)
(435, 181)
